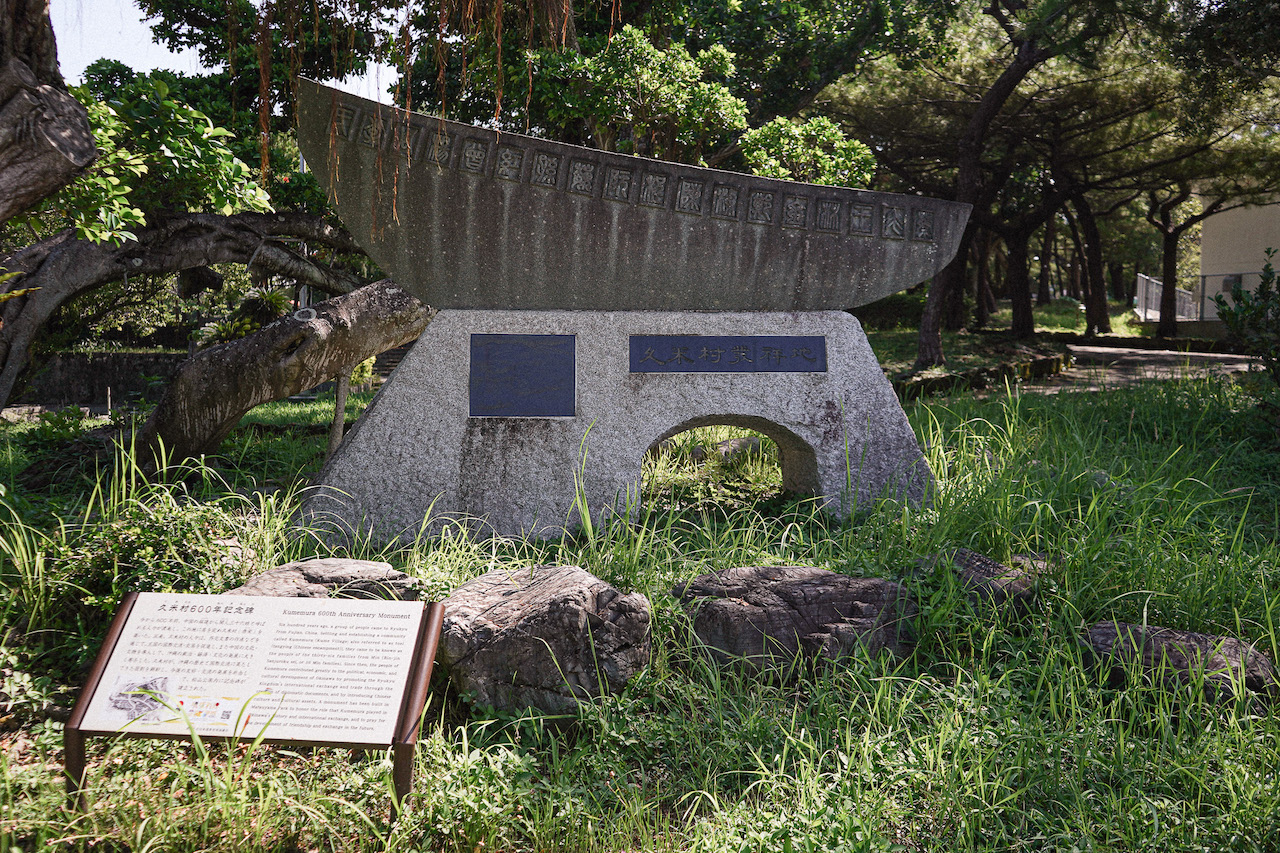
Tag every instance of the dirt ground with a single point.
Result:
(1103, 368)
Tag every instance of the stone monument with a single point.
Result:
(593, 304)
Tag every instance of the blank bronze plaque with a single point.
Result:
(522, 376)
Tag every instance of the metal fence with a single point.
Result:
(1146, 300)
(1195, 303)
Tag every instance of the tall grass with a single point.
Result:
(1156, 504)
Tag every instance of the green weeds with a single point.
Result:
(1156, 503)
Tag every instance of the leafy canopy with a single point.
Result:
(156, 155)
(638, 98)
(815, 151)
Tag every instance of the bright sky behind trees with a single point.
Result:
(92, 29)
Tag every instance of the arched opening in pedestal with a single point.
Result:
(726, 460)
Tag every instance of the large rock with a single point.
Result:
(766, 615)
(1008, 591)
(545, 637)
(337, 576)
(1176, 657)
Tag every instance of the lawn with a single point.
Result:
(893, 330)
(1159, 503)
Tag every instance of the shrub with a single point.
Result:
(155, 546)
(1253, 319)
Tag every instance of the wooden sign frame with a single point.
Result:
(413, 698)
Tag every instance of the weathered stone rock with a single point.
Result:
(1174, 657)
(767, 615)
(1006, 588)
(545, 637)
(335, 576)
(733, 450)
(730, 451)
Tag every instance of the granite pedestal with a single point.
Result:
(511, 422)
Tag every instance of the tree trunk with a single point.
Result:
(982, 298)
(1019, 282)
(214, 388)
(957, 314)
(1161, 214)
(1115, 272)
(1168, 325)
(339, 422)
(45, 140)
(1043, 296)
(929, 343)
(1027, 56)
(1097, 318)
(61, 267)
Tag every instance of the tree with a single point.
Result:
(159, 200)
(45, 139)
(1091, 138)
(634, 97)
(814, 151)
(1030, 35)
(1241, 170)
(217, 386)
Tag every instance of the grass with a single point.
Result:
(1158, 503)
(895, 344)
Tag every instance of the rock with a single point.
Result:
(545, 637)
(758, 613)
(1180, 657)
(733, 450)
(730, 451)
(335, 576)
(1008, 589)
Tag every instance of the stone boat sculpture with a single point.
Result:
(464, 217)
(593, 304)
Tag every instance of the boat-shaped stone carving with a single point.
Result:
(466, 217)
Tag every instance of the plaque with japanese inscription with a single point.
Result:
(340, 672)
(522, 376)
(728, 354)
(302, 669)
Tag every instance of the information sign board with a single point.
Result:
(340, 672)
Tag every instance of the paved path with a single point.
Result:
(1102, 368)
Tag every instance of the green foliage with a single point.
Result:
(157, 546)
(97, 205)
(814, 151)
(787, 53)
(155, 154)
(258, 308)
(362, 374)
(1253, 319)
(638, 98)
(990, 734)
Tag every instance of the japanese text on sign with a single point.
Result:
(309, 670)
(728, 354)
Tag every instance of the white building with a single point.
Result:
(1233, 247)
